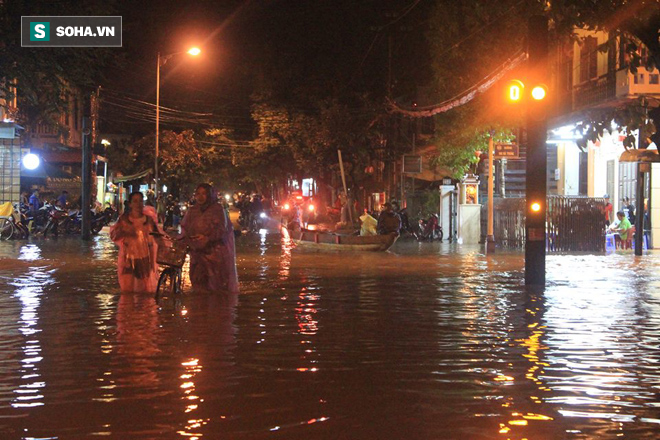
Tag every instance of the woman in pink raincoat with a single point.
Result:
(210, 236)
(136, 266)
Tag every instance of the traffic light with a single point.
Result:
(515, 92)
(535, 207)
(539, 92)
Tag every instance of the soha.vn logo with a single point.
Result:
(39, 31)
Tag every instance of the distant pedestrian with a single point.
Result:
(607, 210)
(628, 206)
(161, 208)
(151, 200)
(34, 202)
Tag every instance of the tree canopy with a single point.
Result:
(44, 75)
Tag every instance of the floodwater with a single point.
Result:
(427, 341)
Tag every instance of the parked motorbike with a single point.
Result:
(73, 224)
(407, 228)
(430, 229)
(56, 216)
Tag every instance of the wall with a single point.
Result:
(655, 205)
(568, 162)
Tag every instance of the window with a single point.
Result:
(588, 59)
(654, 78)
(639, 78)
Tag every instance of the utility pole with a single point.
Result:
(414, 150)
(536, 166)
(639, 219)
(156, 182)
(490, 238)
(86, 176)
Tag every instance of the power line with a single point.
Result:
(465, 96)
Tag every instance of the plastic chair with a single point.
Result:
(610, 242)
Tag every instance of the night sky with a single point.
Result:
(291, 45)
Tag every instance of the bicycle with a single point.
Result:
(11, 225)
(7, 228)
(172, 255)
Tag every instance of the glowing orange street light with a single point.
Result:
(194, 51)
(536, 207)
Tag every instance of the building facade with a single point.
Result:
(592, 75)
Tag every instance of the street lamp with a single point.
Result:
(161, 62)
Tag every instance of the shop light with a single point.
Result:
(31, 161)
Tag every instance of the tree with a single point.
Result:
(184, 162)
(43, 76)
(469, 40)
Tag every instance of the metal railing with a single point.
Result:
(573, 224)
(595, 91)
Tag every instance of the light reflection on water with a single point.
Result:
(422, 342)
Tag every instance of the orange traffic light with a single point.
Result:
(539, 92)
(515, 90)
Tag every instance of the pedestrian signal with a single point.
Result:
(515, 90)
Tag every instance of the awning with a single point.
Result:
(137, 176)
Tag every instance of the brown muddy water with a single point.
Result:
(427, 341)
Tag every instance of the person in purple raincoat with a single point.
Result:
(210, 236)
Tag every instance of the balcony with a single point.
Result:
(595, 92)
(630, 85)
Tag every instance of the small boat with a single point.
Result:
(330, 241)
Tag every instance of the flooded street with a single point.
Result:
(427, 341)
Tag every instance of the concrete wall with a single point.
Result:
(469, 224)
(655, 205)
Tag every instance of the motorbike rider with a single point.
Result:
(430, 226)
(389, 221)
(243, 205)
(256, 208)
